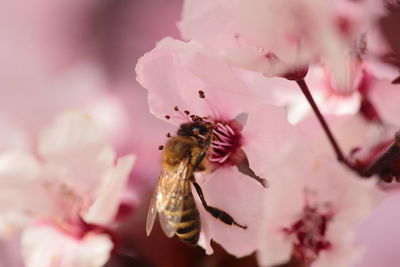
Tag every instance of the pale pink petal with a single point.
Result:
(353, 198)
(47, 246)
(241, 197)
(267, 137)
(344, 253)
(379, 234)
(107, 201)
(78, 149)
(283, 202)
(243, 34)
(174, 73)
(23, 191)
(246, 33)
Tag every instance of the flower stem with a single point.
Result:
(386, 164)
(304, 88)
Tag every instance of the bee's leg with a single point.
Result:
(202, 154)
(217, 213)
(199, 159)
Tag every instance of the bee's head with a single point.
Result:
(193, 129)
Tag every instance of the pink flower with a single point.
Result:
(68, 196)
(278, 37)
(312, 208)
(176, 74)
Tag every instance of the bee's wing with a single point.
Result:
(168, 229)
(152, 213)
(174, 184)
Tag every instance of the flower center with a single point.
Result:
(309, 232)
(225, 142)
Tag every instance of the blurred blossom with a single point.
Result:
(67, 197)
(312, 209)
(280, 38)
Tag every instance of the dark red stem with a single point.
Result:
(304, 88)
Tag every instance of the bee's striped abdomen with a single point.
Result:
(186, 220)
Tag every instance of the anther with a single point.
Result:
(176, 108)
(160, 147)
(168, 135)
(187, 112)
(201, 94)
(167, 117)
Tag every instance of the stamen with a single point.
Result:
(225, 143)
(160, 147)
(217, 146)
(202, 136)
(222, 143)
(230, 129)
(224, 158)
(310, 233)
(223, 129)
(184, 115)
(213, 110)
(221, 136)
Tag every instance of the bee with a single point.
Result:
(173, 201)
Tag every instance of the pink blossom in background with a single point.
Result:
(279, 38)
(61, 198)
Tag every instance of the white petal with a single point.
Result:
(78, 148)
(106, 204)
(23, 193)
(47, 246)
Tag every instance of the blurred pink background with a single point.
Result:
(71, 54)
